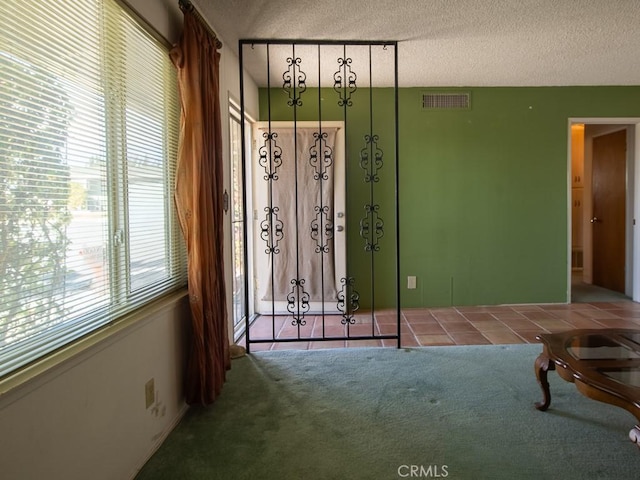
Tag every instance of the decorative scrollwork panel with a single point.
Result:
(348, 300)
(371, 228)
(322, 229)
(330, 149)
(294, 81)
(272, 230)
(320, 156)
(371, 159)
(270, 156)
(298, 302)
(344, 81)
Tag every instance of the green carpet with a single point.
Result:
(446, 412)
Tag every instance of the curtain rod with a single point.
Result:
(187, 6)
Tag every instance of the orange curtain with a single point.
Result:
(198, 199)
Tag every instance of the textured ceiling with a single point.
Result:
(458, 42)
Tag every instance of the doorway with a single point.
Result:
(310, 195)
(608, 225)
(602, 182)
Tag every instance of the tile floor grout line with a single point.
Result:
(610, 310)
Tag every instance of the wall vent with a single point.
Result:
(446, 101)
(577, 259)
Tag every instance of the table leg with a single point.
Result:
(542, 365)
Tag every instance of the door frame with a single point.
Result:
(234, 331)
(258, 260)
(632, 275)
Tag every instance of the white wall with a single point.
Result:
(86, 417)
(163, 15)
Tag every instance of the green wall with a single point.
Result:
(483, 192)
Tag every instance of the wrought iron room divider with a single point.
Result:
(321, 191)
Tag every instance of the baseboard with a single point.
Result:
(161, 437)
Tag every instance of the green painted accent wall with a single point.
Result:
(483, 192)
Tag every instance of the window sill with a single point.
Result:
(57, 362)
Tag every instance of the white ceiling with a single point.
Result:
(459, 42)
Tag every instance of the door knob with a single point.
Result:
(595, 220)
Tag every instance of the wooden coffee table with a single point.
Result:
(604, 365)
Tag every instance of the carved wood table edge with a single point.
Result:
(587, 373)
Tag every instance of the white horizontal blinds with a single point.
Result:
(153, 256)
(88, 135)
(52, 146)
(149, 143)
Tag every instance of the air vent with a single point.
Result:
(446, 101)
(577, 259)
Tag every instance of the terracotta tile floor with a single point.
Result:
(448, 326)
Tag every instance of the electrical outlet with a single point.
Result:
(411, 282)
(149, 393)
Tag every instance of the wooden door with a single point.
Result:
(609, 210)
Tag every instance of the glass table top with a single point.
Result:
(634, 337)
(626, 376)
(606, 362)
(600, 347)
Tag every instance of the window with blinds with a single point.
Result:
(88, 140)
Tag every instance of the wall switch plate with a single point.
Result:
(411, 282)
(149, 393)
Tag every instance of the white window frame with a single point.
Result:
(124, 298)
